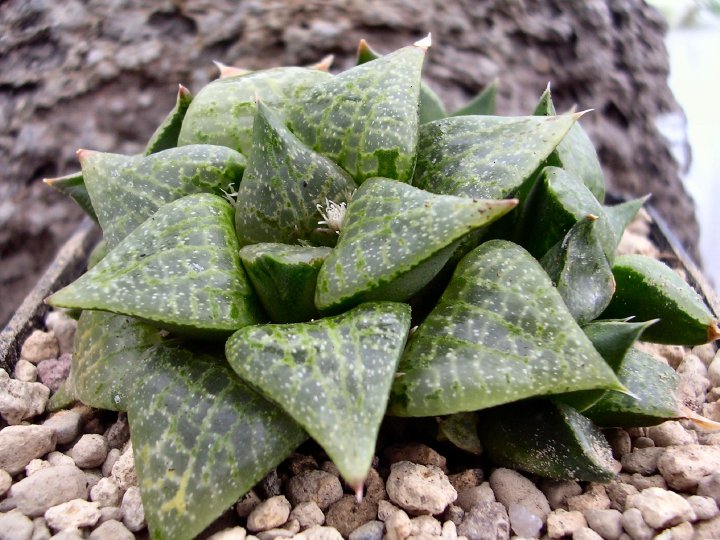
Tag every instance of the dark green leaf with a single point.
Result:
(394, 240)
(63, 398)
(483, 103)
(500, 333)
(73, 186)
(486, 157)
(622, 214)
(283, 185)
(166, 134)
(332, 376)
(547, 438)
(461, 429)
(614, 338)
(284, 278)
(179, 269)
(222, 113)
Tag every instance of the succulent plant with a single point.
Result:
(265, 258)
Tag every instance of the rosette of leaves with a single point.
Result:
(264, 260)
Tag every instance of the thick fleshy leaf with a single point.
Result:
(283, 185)
(461, 429)
(576, 153)
(431, 106)
(394, 240)
(332, 376)
(222, 112)
(483, 103)
(648, 289)
(366, 118)
(127, 190)
(179, 269)
(652, 384)
(73, 186)
(98, 253)
(201, 439)
(500, 333)
(614, 338)
(284, 278)
(622, 214)
(167, 133)
(487, 157)
(581, 271)
(546, 438)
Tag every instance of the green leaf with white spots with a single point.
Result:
(461, 429)
(222, 112)
(483, 103)
(652, 385)
(620, 215)
(366, 118)
(576, 153)
(547, 438)
(201, 439)
(73, 186)
(167, 133)
(394, 240)
(614, 338)
(581, 271)
(486, 157)
(500, 333)
(127, 190)
(648, 289)
(332, 376)
(283, 185)
(284, 278)
(180, 269)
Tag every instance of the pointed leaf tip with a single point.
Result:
(324, 64)
(358, 490)
(424, 43)
(229, 71)
(580, 114)
(183, 91)
(713, 331)
(592, 217)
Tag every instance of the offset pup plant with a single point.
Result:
(265, 259)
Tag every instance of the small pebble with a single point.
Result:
(524, 522)
(308, 514)
(132, 510)
(21, 444)
(123, 470)
(315, 485)
(40, 529)
(708, 529)
(113, 530)
(470, 496)
(64, 329)
(709, 486)
(89, 451)
(606, 522)
(454, 513)
(300, 463)
(58, 458)
(65, 424)
(106, 493)
(419, 488)
(39, 346)
(558, 491)
(319, 533)
(671, 433)
(661, 508)
(372, 530)
(466, 479)
(511, 487)
(704, 507)
(633, 523)
(594, 497)
(47, 488)
(563, 523)
(25, 371)
(119, 432)
(385, 510)
(347, 514)
(247, 504)
(35, 465)
(15, 526)
(642, 460)
(109, 462)
(641, 482)
(417, 453)
(398, 526)
(485, 520)
(425, 525)
(643, 442)
(235, 533)
(277, 533)
(684, 466)
(684, 531)
(76, 513)
(110, 512)
(269, 514)
(54, 371)
(21, 400)
(584, 533)
(68, 534)
(5, 482)
(449, 530)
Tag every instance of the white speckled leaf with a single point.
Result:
(366, 118)
(390, 231)
(283, 184)
(487, 157)
(332, 376)
(166, 134)
(73, 185)
(222, 112)
(461, 429)
(500, 333)
(179, 269)
(483, 103)
(127, 190)
(614, 338)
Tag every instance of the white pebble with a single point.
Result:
(65, 424)
(21, 400)
(19, 445)
(123, 470)
(39, 346)
(106, 493)
(523, 521)
(25, 371)
(90, 451)
(75, 513)
(132, 510)
(111, 530)
(5, 482)
(15, 526)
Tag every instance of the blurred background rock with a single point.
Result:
(101, 74)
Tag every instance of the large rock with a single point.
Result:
(419, 489)
(684, 466)
(47, 488)
(19, 445)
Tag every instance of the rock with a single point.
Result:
(425, 525)
(93, 476)
(711, 411)
(106, 493)
(642, 460)
(418, 453)
(68, 534)
(5, 482)
(523, 521)
(319, 533)
(511, 487)
(300, 463)
(704, 507)
(375, 486)
(563, 523)
(21, 444)
(605, 522)
(372, 530)
(25, 371)
(594, 497)
(661, 508)
(684, 466)
(449, 531)
(454, 513)
(110, 512)
(398, 526)
(65, 424)
(132, 510)
(684, 531)
(708, 529)
(123, 471)
(39, 346)
(558, 491)
(75, 513)
(485, 521)
(714, 371)
(709, 486)
(671, 433)
(467, 498)
(114, 530)
(466, 479)
(419, 488)
(110, 460)
(35, 465)
(620, 442)
(307, 514)
(247, 504)
(633, 523)
(47, 488)
(40, 529)
(119, 432)
(641, 482)
(58, 458)
(583, 533)
(21, 400)
(269, 514)
(64, 329)
(276, 533)
(15, 526)
(385, 510)
(235, 533)
(270, 485)
(90, 451)
(318, 486)
(347, 514)
(54, 371)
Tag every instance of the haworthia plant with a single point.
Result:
(483, 103)
(167, 133)
(126, 190)
(614, 338)
(179, 269)
(461, 429)
(395, 238)
(500, 333)
(332, 375)
(283, 185)
(73, 185)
